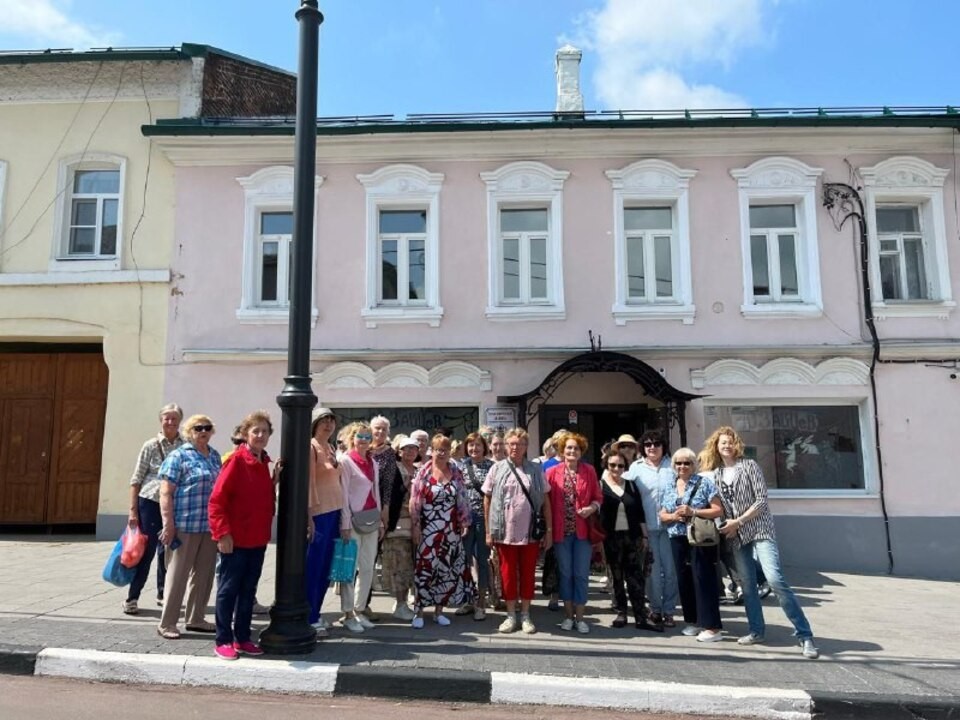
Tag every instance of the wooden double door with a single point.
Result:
(52, 408)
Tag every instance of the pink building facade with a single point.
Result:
(609, 275)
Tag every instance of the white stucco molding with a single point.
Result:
(93, 277)
(781, 371)
(450, 374)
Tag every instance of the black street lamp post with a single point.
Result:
(289, 632)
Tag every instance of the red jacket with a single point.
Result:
(242, 501)
(587, 491)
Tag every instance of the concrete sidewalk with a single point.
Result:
(885, 641)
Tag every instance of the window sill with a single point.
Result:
(87, 264)
(271, 316)
(99, 276)
(622, 314)
(781, 311)
(939, 310)
(402, 316)
(510, 313)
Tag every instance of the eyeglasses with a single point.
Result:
(683, 463)
(653, 443)
(202, 428)
(616, 466)
(363, 436)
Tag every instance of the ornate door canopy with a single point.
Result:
(654, 385)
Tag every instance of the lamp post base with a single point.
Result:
(288, 632)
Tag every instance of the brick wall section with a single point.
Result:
(232, 88)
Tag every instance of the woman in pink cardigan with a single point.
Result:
(575, 495)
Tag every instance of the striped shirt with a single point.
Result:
(147, 472)
(741, 488)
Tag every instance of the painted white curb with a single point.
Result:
(650, 696)
(292, 676)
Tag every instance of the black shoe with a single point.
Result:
(646, 625)
(619, 621)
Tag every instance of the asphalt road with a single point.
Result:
(32, 698)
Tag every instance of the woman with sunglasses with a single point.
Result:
(690, 496)
(626, 544)
(652, 473)
(188, 475)
(750, 525)
(361, 516)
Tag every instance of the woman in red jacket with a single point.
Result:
(241, 514)
(575, 495)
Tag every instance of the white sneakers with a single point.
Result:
(706, 636)
(567, 624)
(479, 614)
(417, 623)
(352, 624)
(751, 639)
(808, 649)
(582, 627)
(692, 630)
(509, 625)
(441, 620)
(402, 611)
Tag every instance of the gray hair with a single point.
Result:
(171, 408)
(380, 420)
(685, 453)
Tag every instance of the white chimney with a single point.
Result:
(569, 97)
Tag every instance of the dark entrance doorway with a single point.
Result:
(598, 423)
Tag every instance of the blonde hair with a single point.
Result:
(710, 457)
(518, 433)
(191, 422)
(684, 453)
(351, 430)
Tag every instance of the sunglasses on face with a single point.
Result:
(651, 443)
(683, 463)
(363, 436)
(616, 466)
(202, 428)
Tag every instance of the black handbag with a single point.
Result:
(538, 523)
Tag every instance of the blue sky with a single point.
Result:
(391, 57)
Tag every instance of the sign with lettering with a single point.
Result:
(502, 418)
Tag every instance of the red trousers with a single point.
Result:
(518, 560)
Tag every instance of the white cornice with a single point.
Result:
(553, 144)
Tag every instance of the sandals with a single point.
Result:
(168, 633)
(206, 627)
(620, 620)
(668, 621)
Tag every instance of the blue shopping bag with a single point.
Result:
(114, 572)
(344, 565)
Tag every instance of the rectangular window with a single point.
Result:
(94, 204)
(649, 236)
(901, 239)
(524, 257)
(807, 447)
(402, 237)
(275, 244)
(773, 253)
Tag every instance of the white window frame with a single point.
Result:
(906, 180)
(525, 185)
(269, 189)
(867, 443)
(60, 259)
(653, 183)
(402, 187)
(782, 181)
(285, 247)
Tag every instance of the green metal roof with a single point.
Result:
(941, 116)
(125, 54)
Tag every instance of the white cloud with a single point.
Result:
(48, 23)
(645, 47)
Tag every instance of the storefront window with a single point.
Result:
(798, 446)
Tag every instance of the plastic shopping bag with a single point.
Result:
(134, 545)
(344, 565)
(114, 572)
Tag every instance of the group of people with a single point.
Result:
(453, 524)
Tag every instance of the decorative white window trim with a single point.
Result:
(782, 180)
(402, 187)
(653, 183)
(522, 185)
(91, 277)
(781, 371)
(910, 180)
(60, 261)
(450, 374)
(268, 189)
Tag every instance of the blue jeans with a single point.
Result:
(150, 525)
(237, 579)
(663, 594)
(768, 556)
(326, 530)
(475, 547)
(573, 566)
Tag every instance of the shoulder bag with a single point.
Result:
(538, 523)
(701, 532)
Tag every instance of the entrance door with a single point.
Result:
(25, 425)
(599, 424)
